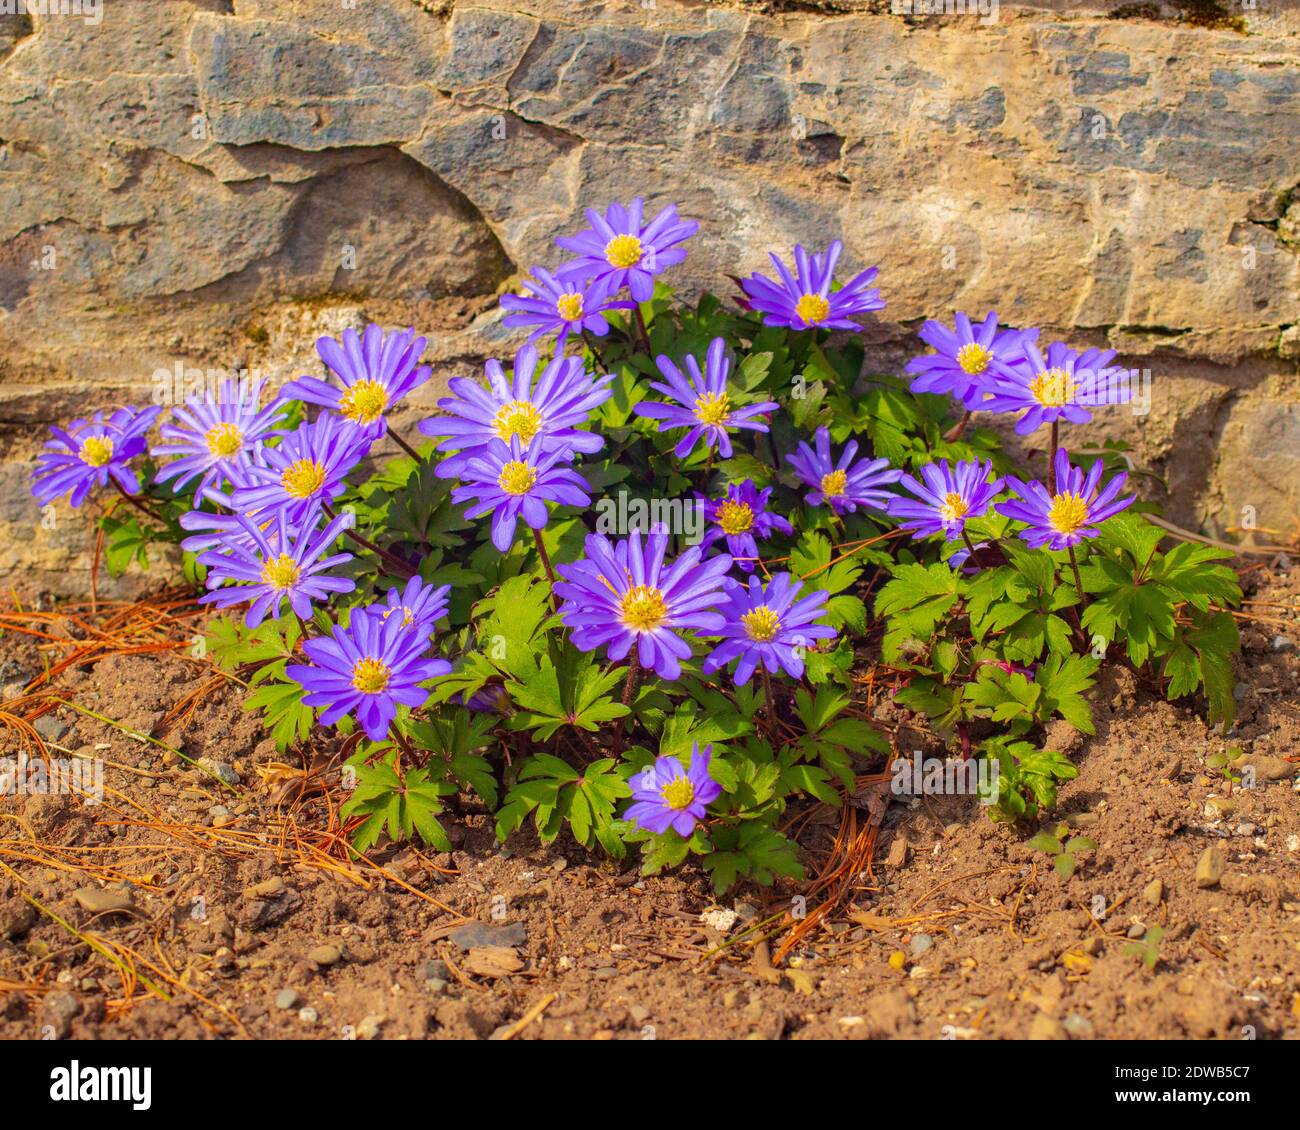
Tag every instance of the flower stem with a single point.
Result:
(1078, 588)
(955, 432)
(137, 501)
(640, 322)
(769, 703)
(629, 689)
(971, 547)
(591, 345)
(1051, 458)
(396, 566)
(397, 439)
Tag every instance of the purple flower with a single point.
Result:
(965, 361)
(806, 299)
(1061, 386)
(310, 465)
(623, 251)
(277, 561)
(845, 485)
(741, 516)
(1073, 513)
(510, 482)
(366, 670)
(89, 451)
(377, 370)
(421, 604)
(948, 498)
(560, 306)
(768, 626)
(217, 438)
(618, 596)
(704, 404)
(665, 795)
(564, 397)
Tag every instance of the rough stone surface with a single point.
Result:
(212, 185)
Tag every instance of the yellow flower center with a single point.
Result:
(713, 408)
(623, 251)
(812, 308)
(761, 623)
(973, 359)
(370, 676)
(678, 793)
(224, 440)
(303, 478)
(364, 402)
(834, 483)
(408, 617)
(517, 418)
(569, 307)
(643, 608)
(280, 572)
(735, 517)
(1052, 388)
(517, 477)
(954, 507)
(1067, 513)
(96, 451)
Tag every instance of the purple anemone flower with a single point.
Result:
(946, 498)
(88, 452)
(704, 405)
(665, 795)
(510, 482)
(770, 626)
(275, 562)
(1061, 386)
(617, 596)
(559, 306)
(965, 360)
(1064, 519)
(420, 604)
(217, 438)
(805, 299)
(624, 251)
(376, 371)
(310, 465)
(367, 669)
(845, 485)
(741, 516)
(555, 408)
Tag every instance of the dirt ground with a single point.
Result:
(182, 907)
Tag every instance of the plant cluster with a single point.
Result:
(479, 616)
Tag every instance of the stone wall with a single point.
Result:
(211, 183)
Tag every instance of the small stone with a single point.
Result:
(436, 985)
(1267, 768)
(222, 770)
(801, 981)
(1044, 1027)
(1217, 807)
(731, 998)
(639, 1013)
(1078, 1026)
(605, 972)
(107, 901)
(285, 999)
(1209, 868)
(1282, 643)
(50, 727)
(324, 955)
(920, 944)
(16, 918)
(266, 889)
(368, 1029)
(492, 961)
(57, 1011)
(899, 850)
(1153, 892)
(435, 969)
(719, 919)
(218, 810)
(1137, 930)
(308, 1015)
(477, 934)
(897, 960)
(745, 911)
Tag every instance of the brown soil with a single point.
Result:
(1013, 951)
